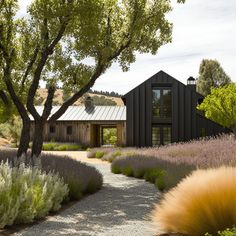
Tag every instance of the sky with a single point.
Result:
(203, 29)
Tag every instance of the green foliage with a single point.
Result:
(227, 232)
(152, 174)
(51, 44)
(110, 136)
(116, 170)
(61, 147)
(128, 171)
(211, 75)
(27, 193)
(99, 154)
(11, 130)
(220, 106)
(139, 173)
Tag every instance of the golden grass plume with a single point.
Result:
(203, 202)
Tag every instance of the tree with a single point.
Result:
(51, 44)
(211, 74)
(220, 106)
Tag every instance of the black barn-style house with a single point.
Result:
(162, 110)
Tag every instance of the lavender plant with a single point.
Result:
(80, 178)
(27, 193)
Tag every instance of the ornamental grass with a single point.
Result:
(204, 202)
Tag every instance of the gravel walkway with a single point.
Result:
(121, 207)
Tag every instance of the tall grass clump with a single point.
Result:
(204, 202)
(28, 193)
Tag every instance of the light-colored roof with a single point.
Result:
(98, 113)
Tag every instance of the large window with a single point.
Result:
(161, 135)
(161, 102)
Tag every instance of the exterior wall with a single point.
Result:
(185, 121)
(87, 133)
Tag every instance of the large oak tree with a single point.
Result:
(54, 42)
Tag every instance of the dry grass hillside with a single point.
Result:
(4, 142)
(58, 100)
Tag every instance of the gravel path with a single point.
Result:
(121, 207)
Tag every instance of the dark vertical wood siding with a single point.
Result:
(186, 123)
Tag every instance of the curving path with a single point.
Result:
(121, 207)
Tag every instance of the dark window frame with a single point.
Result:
(69, 130)
(162, 118)
(161, 128)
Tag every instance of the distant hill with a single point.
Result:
(59, 98)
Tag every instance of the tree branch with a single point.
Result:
(29, 67)
(98, 71)
(37, 75)
(48, 103)
(4, 97)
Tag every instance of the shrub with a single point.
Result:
(78, 176)
(152, 174)
(27, 193)
(128, 171)
(152, 168)
(111, 156)
(227, 232)
(203, 202)
(115, 170)
(99, 154)
(52, 146)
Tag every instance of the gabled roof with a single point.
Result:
(160, 73)
(98, 113)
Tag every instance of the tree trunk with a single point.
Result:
(38, 138)
(24, 139)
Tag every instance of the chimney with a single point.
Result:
(191, 83)
(88, 103)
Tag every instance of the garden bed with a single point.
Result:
(77, 178)
(169, 163)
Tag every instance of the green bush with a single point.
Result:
(152, 174)
(99, 154)
(128, 171)
(49, 146)
(160, 183)
(52, 146)
(27, 193)
(227, 232)
(115, 170)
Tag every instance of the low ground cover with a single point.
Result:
(53, 146)
(79, 178)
